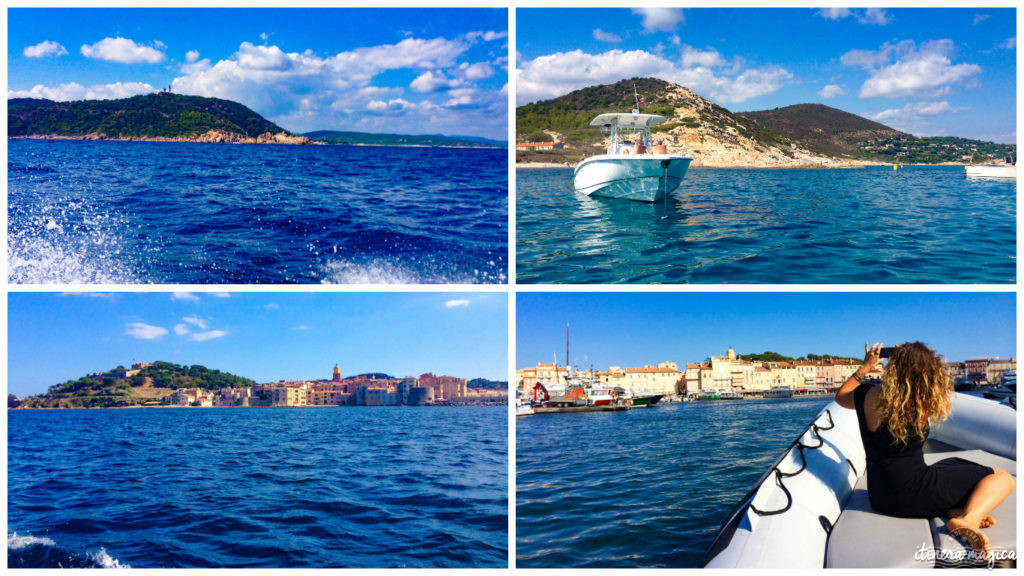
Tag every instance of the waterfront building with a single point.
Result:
(661, 379)
(288, 396)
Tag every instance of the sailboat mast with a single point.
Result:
(567, 363)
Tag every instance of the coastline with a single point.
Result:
(230, 138)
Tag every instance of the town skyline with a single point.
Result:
(926, 71)
(638, 329)
(266, 337)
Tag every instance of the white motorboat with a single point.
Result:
(633, 172)
(779, 392)
(523, 408)
(1005, 170)
(811, 509)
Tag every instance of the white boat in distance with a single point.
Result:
(1006, 170)
(628, 171)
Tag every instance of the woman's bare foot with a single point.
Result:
(957, 512)
(971, 533)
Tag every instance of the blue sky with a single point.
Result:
(948, 72)
(412, 71)
(265, 336)
(635, 329)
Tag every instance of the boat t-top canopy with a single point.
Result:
(634, 121)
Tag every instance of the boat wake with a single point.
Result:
(26, 551)
(61, 245)
(382, 271)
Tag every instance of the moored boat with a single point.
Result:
(1005, 170)
(643, 171)
(811, 509)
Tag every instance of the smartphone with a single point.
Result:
(886, 352)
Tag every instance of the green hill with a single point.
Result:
(833, 132)
(485, 383)
(160, 115)
(120, 387)
(367, 138)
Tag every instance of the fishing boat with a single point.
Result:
(1005, 170)
(811, 508)
(638, 170)
(523, 408)
(640, 399)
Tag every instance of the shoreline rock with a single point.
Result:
(210, 136)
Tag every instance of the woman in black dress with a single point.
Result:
(894, 420)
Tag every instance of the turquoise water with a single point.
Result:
(857, 226)
(646, 488)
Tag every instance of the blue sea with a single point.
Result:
(258, 487)
(847, 226)
(184, 213)
(645, 488)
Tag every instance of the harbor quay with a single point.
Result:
(365, 390)
(732, 377)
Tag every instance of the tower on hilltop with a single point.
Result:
(337, 373)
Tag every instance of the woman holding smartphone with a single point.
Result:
(894, 422)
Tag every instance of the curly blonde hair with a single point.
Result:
(915, 390)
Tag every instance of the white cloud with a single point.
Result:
(204, 336)
(187, 296)
(181, 329)
(272, 306)
(602, 36)
(220, 294)
(694, 57)
(660, 19)
(191, 56)
(477, 71)
(979, 18)
(456, 303)
(430, 81)
(196, 321)
(44, 49)
(102, 295)
(123, 50)
(913, 117)
(252, 57)
(556, 74)
(75, 91)
(143, 331)
(1009, 43)
(834, 13)
(831, 91)
(908, 69)
(875, 16)
(302, 328)
(488, 36)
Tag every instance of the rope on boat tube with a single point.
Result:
(800, 446)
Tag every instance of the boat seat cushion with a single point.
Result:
(1004, 534)
(864, 538)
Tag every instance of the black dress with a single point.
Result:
(901, 484)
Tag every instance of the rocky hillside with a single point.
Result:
(161, 116)
(124, 387)
(794, 136)
(833, 132)
(696, 126)
(824, 129)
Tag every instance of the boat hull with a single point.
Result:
(646, 178)
(647, 400)
(779, 524)
(986, 171)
